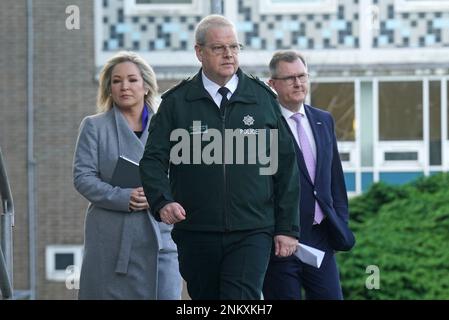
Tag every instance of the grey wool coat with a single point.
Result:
(127, 255)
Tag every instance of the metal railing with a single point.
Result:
(6, 224)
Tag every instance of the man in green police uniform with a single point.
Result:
(228, 208)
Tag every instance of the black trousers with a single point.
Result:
(224, 265)
(286, 277)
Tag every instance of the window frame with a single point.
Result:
(401, 146)
(420, 5)
(132, 8)
(50, 253)
(315, 7)
(419, 146)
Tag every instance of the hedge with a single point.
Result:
(403, 232)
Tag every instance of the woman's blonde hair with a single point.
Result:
(104, 98)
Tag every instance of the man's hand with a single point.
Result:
(284, 246)
(172, 212)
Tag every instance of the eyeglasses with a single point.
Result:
(221, 48)
(290, 80)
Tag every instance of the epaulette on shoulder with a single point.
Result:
(263, 85)
(174, 88)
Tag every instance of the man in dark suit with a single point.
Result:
(323, 190)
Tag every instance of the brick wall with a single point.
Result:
(13, 102)
(64, 92)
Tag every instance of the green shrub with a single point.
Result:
(404, 231)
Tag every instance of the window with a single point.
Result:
(345, 156)
(401, 156)
(338, 99)
(145, 7)
(421, 5)
(296, 1)
(400, 111)
(162, 1)
(298, 6)
(435, 123)
(447, 110)
(59, 259)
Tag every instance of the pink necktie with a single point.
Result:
(307, 154)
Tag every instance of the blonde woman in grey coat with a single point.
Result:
(127, 254)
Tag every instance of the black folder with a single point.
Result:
(126, 174)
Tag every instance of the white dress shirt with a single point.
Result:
(305, 124)
(212, 88)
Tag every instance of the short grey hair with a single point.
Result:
(209, 22)
(286, 56)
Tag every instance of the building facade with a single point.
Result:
(380, 67)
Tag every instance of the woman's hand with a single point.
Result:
(138, 201)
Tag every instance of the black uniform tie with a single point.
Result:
(224, 93)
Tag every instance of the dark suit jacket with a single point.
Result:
(329, 187)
